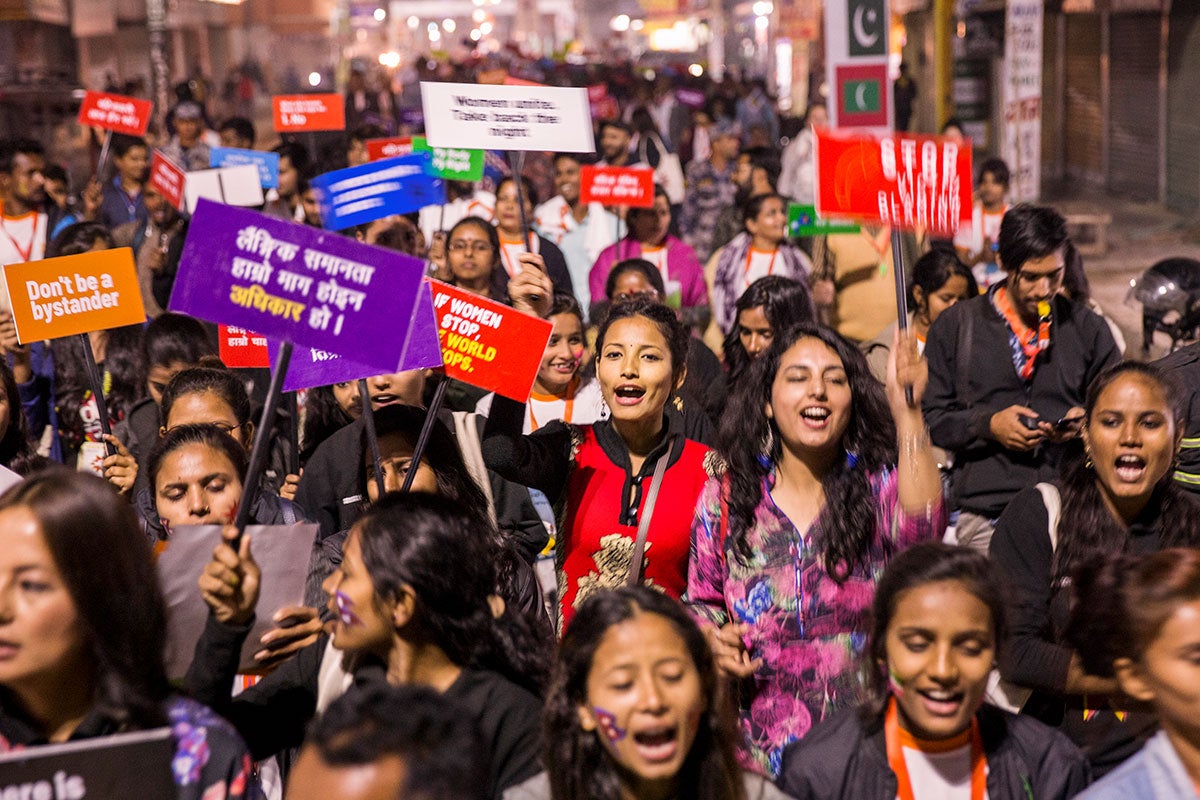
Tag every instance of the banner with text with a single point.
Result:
(452, 164)
(309, 112)
(92, 769)
(803, 221)
(116, 113)
(507, 117)
(298, 284)
(235, 186)
(266, 162)
(310, 367)
(903, 180)
(1022, 140)
(168, 178)
(58, 297)
(242, 349)
(487, 344)
(617, 186)
(377, 189)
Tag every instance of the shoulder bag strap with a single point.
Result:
(639, 546)
(1053, 502)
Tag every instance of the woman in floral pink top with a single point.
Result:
(787, 546)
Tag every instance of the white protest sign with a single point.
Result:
(489, 117)
(236, 186)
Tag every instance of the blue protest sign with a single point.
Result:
(267, 163)
(378, 189)
(310, 367)
(298, 284)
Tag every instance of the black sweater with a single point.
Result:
(273, 714)
(986, 475)
(845, 758)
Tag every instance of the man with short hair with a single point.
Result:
(755, 172)
(237, 132)
(24, 225)
(382, 742)
(976, 242)
(1009, 372)
(710, 188)
(615, 138)
(581, 230)
(187, 147)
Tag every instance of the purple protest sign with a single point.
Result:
(292, 283)
(310, 367)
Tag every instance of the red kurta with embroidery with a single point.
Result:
(595, 549)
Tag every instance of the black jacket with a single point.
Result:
(845, 757)
(966, 389)
(1184, 365)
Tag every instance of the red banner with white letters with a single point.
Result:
(116, 113)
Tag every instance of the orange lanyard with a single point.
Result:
(509, 267)
(26, 252)
(567, 412)
(1032, 341)
(770, 266)
(895, 755)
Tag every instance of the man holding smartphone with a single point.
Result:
(1009, 371)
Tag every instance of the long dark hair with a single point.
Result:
(207, 435)
(175, 338)
(323, 417)
(578, 765)
(433, 545)
(498, 287)
(846, 524)
(921, 564)
(933, 271)
(663, 318)
(784, 302)
(1086, 527)
(121, 610)
(198, 380)
(15, 443)
(123, 371)
(1123, 601)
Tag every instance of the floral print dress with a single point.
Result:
(809, 631)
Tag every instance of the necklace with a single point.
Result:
(23, 252)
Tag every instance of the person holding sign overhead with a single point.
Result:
(510, 225)
(83, 647)
(610, 473)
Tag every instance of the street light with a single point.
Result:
(448, 25)
(314, 79)
(620, 23)
(380, 15)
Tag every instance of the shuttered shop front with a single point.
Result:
(1134, 112)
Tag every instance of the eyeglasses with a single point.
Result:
(649, 294)
(224, 427)
(459, 246)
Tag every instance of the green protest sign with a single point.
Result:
(803, 221)
(453, 164)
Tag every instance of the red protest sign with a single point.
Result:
(115, 112)
(900, 180)
(379, 149)
(488, 344)
(168, 178)
(617, 186)
(309, 112)
(242, 349)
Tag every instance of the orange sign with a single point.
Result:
(309, 112)
(74, 294)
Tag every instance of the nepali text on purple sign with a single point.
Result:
(297, 284)
(310, 367)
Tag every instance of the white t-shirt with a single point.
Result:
(761, 264)
(940, 776)
(22, 239)
(587, 407)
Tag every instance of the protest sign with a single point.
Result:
(803, 221)
(188, 551)
(453, 164)
(116, 113)
(617, 186)
(134, 764)
(267, 163)
(325, 291)
(378, 189)
(168, 178)
(70, 295)
(235, 186)
(242, 349)
(487, 344)
(379, 149)
(507, 117)
(900, 180)
(309, 112)
(310, 367)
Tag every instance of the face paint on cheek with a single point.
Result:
(894, 684)
(577, 354)
(345, 607)
(608, 724)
